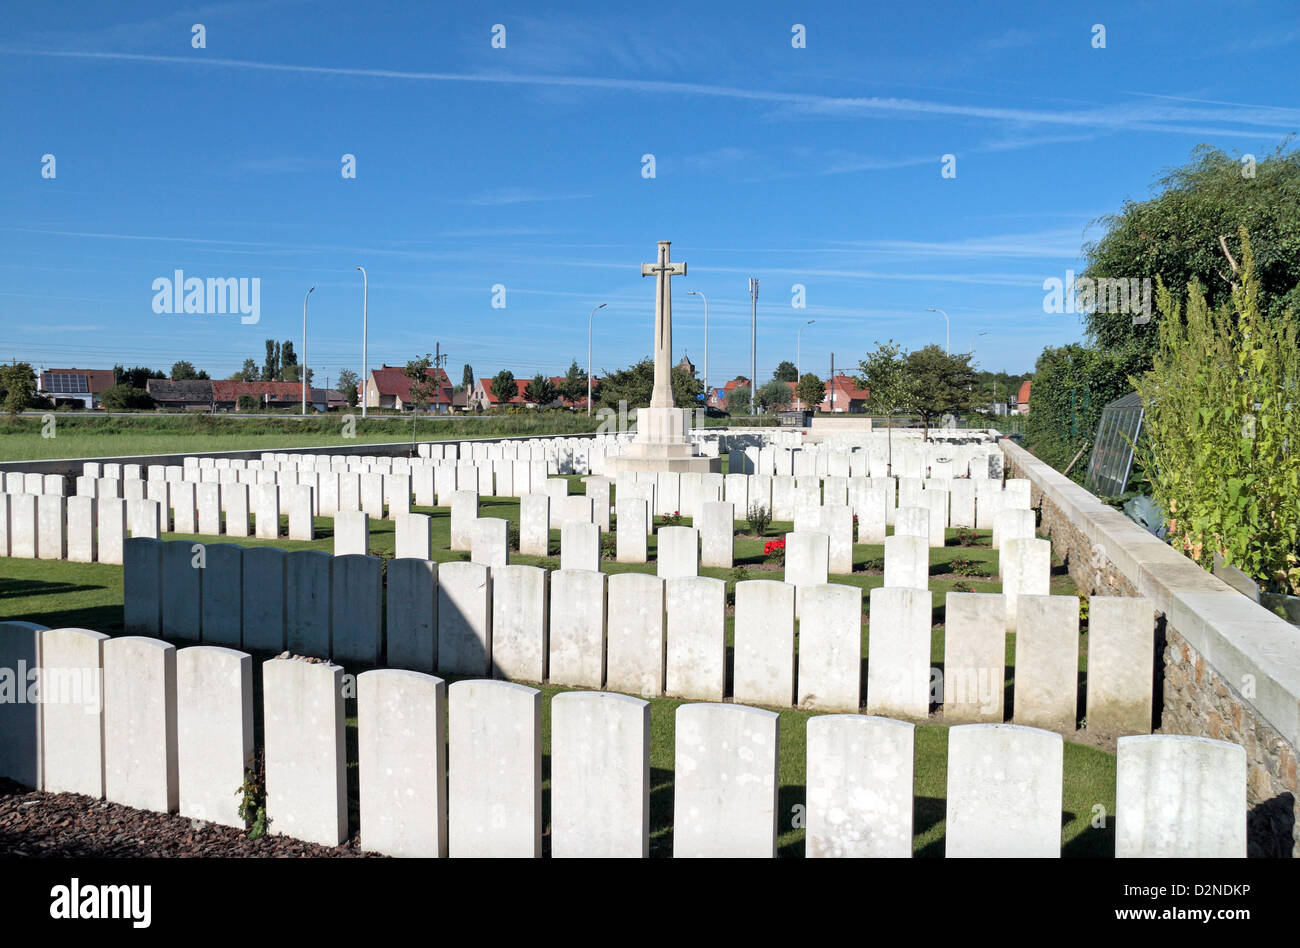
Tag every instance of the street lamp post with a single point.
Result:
(303, 365)
(706, 341)
(365, 334)
(947, 337)
(973, 338)
(799, 360)
(589, 319)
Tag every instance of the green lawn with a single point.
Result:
(90, 596)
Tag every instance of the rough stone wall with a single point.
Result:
(1193, 697)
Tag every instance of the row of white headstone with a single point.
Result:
(457, 771)
(651, 635)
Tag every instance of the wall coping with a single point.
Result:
(1235, 635)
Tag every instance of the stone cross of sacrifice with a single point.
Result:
(662, 396)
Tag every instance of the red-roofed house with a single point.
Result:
(389, 387)
(227, 392)
(843, 395)
(75, 385)
(1022, 399)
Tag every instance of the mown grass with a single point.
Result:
(90, 596)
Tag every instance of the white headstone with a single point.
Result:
(519, 622)
(305, 752)
(635, 637)
(464, 618)
(696, 646)
(764, 643)
(725, 781)
(1180, 797)
(830, 648)
(214, 728)
(859, 787)
(495, 770)
(600, 776)
(402, 762)
(898, 661)
(140, 723)
(1004, 792)
(577, 628)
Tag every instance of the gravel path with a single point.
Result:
(68, 824)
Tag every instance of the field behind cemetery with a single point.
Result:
(89, 595)
(91, 435)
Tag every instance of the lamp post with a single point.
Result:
(365, 363)
(947, 337)
(973, 338)
(589, 319)
(303, 364)
(706, 342)
(799, 360)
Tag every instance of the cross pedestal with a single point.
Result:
(661, 442)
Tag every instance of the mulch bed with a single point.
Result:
(42, 825)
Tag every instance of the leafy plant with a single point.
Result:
(774, 550)
(608, 546)
(760, 518)
(960, 587)
(1222, 445)
(967, 537)
(673, 519)
(252, 793)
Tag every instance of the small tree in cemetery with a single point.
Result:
(504, 388)
(760, 517)
(883, 373)
(541, 391)
(423, 387)
(811, 391)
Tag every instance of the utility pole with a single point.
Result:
(365, 337)
(832, 383)
(753, 344)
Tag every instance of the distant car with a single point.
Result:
(711, 412)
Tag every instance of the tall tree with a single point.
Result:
(287, 356)
(811, 391)
(271, 367)
(1176, 236)
(541, 391)
(504, 388)
(786, 372)
(249, 373)
(184, 371)
(467, 377)
(347, 385)
(635, 384)
(940, 383)
(574, 386)
(19, 383)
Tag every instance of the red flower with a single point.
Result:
(773, 545)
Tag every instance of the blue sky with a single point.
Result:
(522, 166)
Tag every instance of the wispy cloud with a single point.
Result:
(1151, 117)
(501, 197)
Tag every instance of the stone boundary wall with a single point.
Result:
(172, 730)
(1226, 668)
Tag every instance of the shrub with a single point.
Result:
(967, 568)
(673, 519)
(760, 518)
(608, 546)
(774, 550)
(967, 537)
(252, 794)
